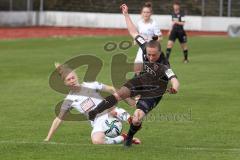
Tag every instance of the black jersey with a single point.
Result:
(158, 70)
(180, 17)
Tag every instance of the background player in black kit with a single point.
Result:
(151, 85)
(177, 32)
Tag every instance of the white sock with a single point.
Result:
(122, 114)
(116, 140)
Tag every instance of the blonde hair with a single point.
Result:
(63, 70)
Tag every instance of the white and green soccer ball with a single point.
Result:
(112, 127)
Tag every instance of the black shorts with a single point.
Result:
(147, 104)
(178, 34)
(146, 86)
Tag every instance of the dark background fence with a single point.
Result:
(229, 8)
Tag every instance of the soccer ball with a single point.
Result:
(113, 127)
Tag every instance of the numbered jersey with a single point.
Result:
(84, 100)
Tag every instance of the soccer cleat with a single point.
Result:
(134, 140)
(185, 61)
(130, 120)
(128, 142)
(124, 135)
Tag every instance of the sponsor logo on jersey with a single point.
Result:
(149, 70)
(87, 105)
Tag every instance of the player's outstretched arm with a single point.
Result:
(131, 27)
(109, 89)
(56, 123)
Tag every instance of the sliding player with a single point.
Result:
(85, 97)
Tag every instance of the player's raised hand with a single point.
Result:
(124, 8)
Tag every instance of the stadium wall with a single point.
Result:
(107, 20)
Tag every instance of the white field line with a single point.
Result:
(78, 144)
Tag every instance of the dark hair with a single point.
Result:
(153, 44)
(176, 3)
(155, 37)
(147, 5)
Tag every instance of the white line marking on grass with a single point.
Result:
(48, 143)
(89, 144)
(210, 149)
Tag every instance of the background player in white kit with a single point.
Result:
(148, 29)
(85, 97)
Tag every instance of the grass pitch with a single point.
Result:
(201, 122)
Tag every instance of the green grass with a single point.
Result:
(201, 122)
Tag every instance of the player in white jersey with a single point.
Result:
(84, 97)
(148, 29)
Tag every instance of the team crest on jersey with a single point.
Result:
(155, 67)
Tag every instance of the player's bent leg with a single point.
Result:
(138, 117)
(98, 138)
(106, 103)
(101, 138)
(123, 93)
(134, 126)
(169, 48)
(185, 52)
(110, 101)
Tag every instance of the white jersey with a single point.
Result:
(87, 98)
(148, 30)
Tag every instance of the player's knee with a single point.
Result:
(96, 141)
(123, 93)
(113, 113)
(169, 45)
(136, 121)
(117, 96)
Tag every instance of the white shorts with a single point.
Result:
(139, 58)
(98, 123)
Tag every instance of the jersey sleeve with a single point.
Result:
(66, 105)
(169, 73)
(98, 86)
(65, 108)
(141, 42)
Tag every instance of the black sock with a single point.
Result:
(168, 52)
(185, 53)
(107, 103)
(133, 130)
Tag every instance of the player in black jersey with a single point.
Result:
(177, 32)
(151, 85)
